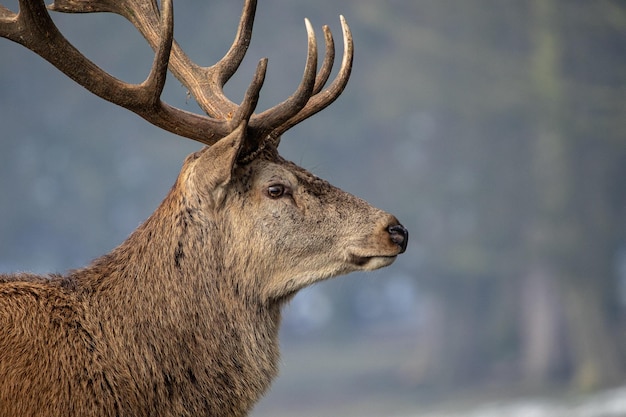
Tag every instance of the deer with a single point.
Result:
(182, 318)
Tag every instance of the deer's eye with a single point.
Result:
(276, 191)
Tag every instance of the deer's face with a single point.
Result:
(286, 227)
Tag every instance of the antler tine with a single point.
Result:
(156, 79)
(229, 64)
(329, 59)
(323, 99)
(250, 100)
(267, 121)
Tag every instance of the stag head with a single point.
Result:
(303, 228)
(281, 221)
(291, 227)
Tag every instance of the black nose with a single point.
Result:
(399, 236)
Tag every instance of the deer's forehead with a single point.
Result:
(267, 171)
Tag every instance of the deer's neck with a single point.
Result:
(166, 304)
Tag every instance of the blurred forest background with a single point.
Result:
(495, 131)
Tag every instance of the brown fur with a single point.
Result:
(182, 318)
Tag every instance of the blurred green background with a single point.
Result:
(494, 130)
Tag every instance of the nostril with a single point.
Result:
(399, 236)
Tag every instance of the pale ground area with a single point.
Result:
(609, 403)
(369, 380)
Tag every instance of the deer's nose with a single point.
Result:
(399, 235)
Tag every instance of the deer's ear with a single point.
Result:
(213, 169)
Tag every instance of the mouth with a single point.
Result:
(370, 263)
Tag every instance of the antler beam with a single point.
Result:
(33, 28)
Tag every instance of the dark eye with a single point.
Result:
(276, 191)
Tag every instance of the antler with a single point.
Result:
(33, 28)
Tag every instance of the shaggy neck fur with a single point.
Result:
(208, 335)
